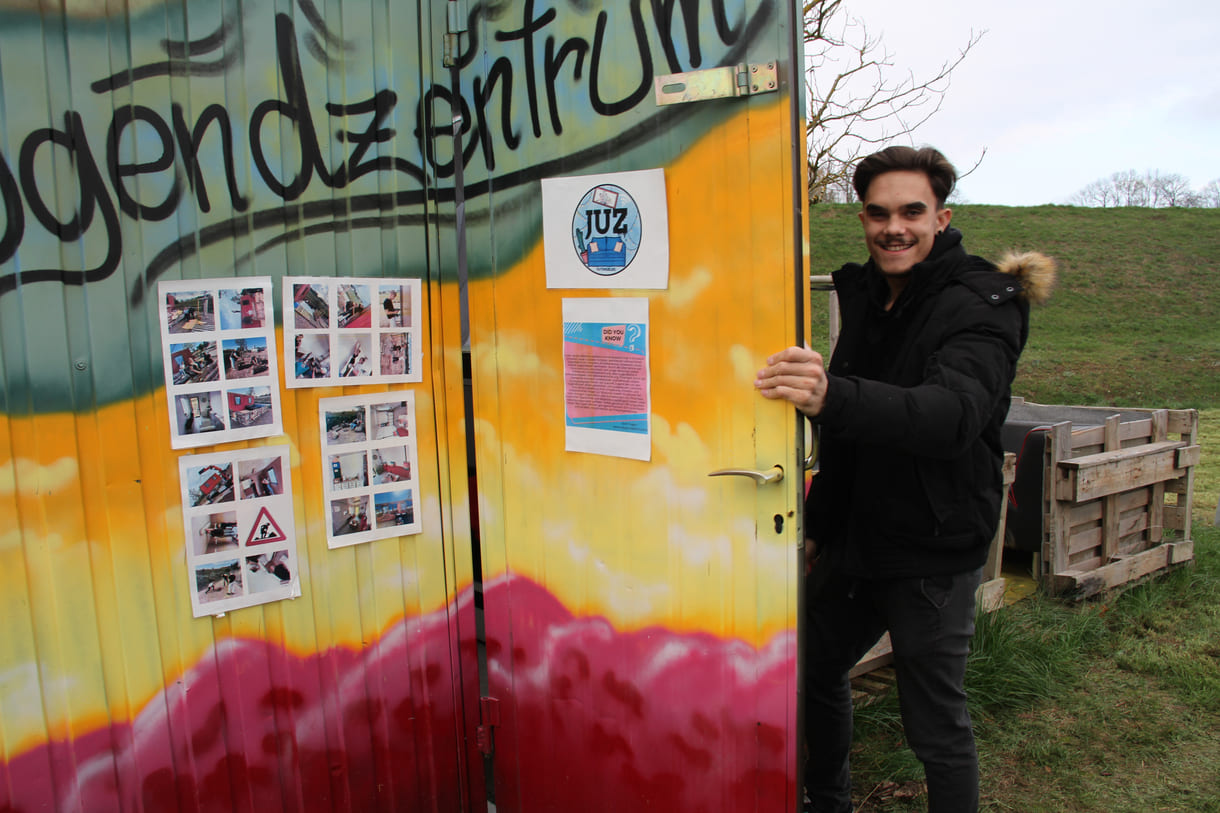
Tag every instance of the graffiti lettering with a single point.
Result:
(538, 70)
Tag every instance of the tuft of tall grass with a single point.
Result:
(1026, 653)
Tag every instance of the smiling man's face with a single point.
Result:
(901, 218)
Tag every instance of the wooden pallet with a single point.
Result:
(1110, 493)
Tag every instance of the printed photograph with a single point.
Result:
(345, 426)
(268, 571)
(394, 508)
(349, 516)
(245, 358)
(199, 412)
(260, 477)
(194, 363)
(354, 306)
(251, 406)
(210, 484)
(213, 533)
(348, 471)
(395, 301)
(310, 306)
(391, 465)
(395, 353)
(242, 309)
(353, 354)
(190, 312)
(312, 356)
(218, 581)
(391, 419)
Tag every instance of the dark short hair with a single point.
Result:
(928, 160)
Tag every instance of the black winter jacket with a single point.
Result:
(909, 482)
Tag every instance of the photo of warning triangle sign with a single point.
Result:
(265, 529)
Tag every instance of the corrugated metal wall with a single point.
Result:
(641, 617)
(169, 141)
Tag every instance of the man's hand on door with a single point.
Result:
(797, 375)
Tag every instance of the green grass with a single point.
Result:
(1111, 704)
(1101, 706)
(1135, 318)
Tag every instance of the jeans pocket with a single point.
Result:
(938, 590)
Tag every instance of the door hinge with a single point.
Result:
(489, 718)
(716, 83)
(455, 27)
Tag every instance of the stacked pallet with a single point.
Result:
(1116, 489)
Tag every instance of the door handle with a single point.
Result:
(771, 475)
(811, 459)
(815, 445)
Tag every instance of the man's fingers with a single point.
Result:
(795, 354)
(799, 397)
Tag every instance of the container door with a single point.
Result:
(640, 614)
(148, 141)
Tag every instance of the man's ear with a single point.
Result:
(943, 216)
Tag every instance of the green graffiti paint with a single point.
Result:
(279, 143)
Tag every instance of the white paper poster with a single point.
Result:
(606, 231)
(369, 467)
(221, 366)
(607, 396)
(240, 531)
(348, 330)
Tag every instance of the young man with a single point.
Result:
(907, 496)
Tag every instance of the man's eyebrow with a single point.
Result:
(917, 206)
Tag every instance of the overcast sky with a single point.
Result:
(1063, 92)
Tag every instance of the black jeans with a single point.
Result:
(930, 621)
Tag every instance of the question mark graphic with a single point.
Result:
(633, 333)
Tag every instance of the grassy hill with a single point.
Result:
(1135, 319)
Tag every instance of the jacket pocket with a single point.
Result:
(944, 486)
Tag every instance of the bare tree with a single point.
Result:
(1097, 193)
(858, 98)
(1130, 188)
(1209, 195)
(1153, 189)
(1171, 189)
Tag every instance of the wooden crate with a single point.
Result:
(990, 595)
(1113, 482)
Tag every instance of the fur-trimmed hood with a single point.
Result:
(1035, 271)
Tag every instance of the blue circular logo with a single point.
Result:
(606, 229)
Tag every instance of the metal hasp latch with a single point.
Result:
(716, 83)
(455, 27)
(489, 718)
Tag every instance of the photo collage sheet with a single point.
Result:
(351, 330)
(369, 465)
(222, 385)
(240, 530)
(221, 365)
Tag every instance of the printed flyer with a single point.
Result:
(240, 532)
(369, 465)
(606, 377)
(221, 368)
(609, 230)
(347, 330)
